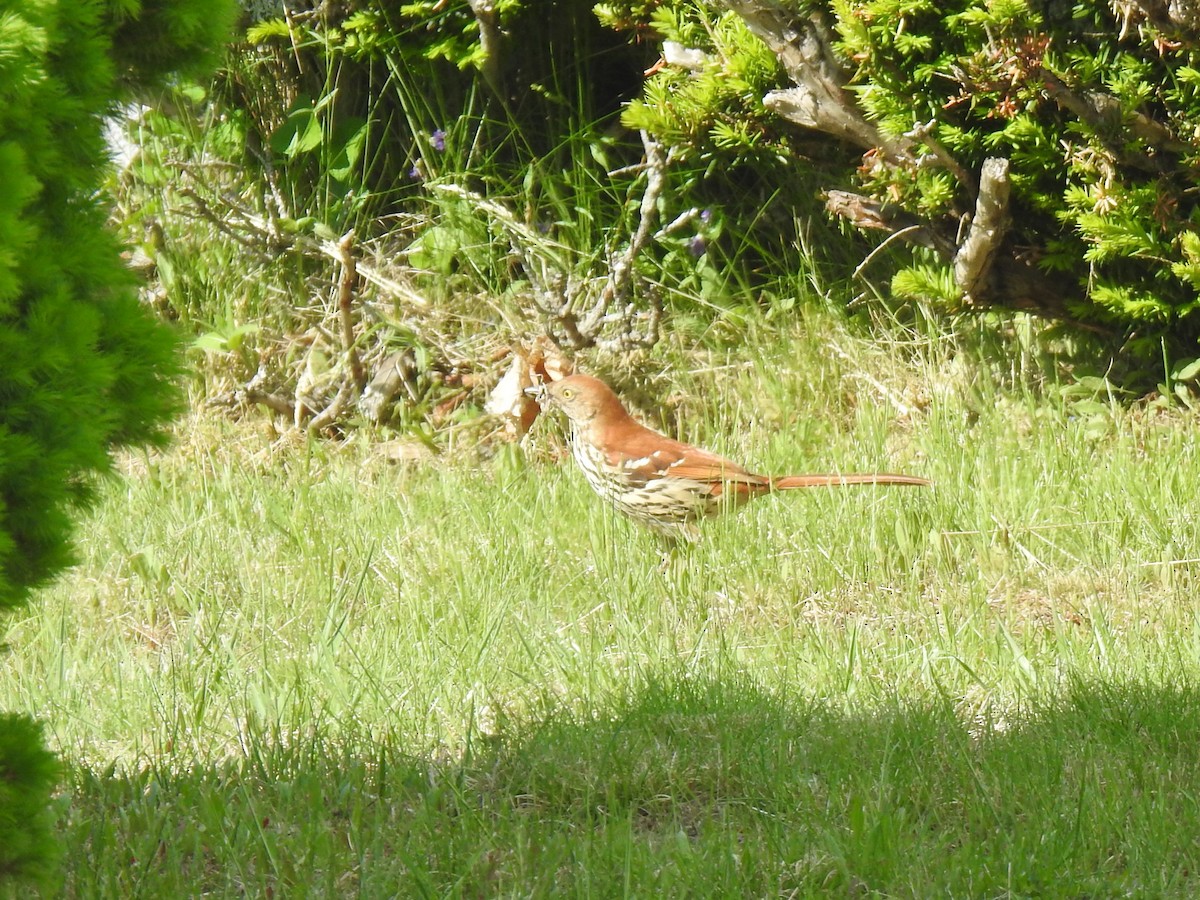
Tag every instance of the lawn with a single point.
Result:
(297, 668)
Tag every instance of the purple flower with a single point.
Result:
(706, 216)
(414, 173)
(438, 140)
(697, 245)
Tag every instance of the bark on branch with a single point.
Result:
(1174, 17)
(354, 378)
(618, 289)
(491, 42)
(989, 271)
(974, 259)
(1104, 115)
(818, 101)
(577, 311)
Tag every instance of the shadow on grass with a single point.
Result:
(686, 788)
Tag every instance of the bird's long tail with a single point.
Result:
(794, 482)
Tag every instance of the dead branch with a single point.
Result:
(276, 402)
(559, 291)
(253, 395)
(1104, 116)
(354, 377)
(818, 100)
(333, 411)
(939, 155)
(249, 396)
(1021, 283)
(620, 280)
(867, 214)
(541, 259)
(1179, 18)
(904, 234)
(203, 210)
(974, 259)
(491, 43)
(394, 373)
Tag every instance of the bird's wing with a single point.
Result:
(648, 455)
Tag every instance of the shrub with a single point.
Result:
(27, 775)
(1087, 212)
(84, 368)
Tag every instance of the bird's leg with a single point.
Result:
(674, 546)
(667, 554)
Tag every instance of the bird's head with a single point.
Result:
(581, 397)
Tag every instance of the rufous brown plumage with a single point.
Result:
(655, 480)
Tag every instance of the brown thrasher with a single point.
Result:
(663, 483)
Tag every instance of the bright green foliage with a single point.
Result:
(83, 368)
(1094, 109)
(28, 773)
(731, 155)
(457, 35)
(1095, 115)
(387, 118)
(367, 109)
(716, 101)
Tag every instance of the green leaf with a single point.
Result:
(350, 152)
(235, 338)
(1090, 408)
(212, 342)
(300, 133)
(307, 137)
(1187, 370)
(194, 92)
(436, 249)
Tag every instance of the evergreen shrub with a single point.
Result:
(83, 368)
(1090, 109)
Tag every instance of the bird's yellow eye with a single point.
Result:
(567, 393)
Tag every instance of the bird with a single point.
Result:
(661, 483)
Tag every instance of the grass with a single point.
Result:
(299, 670)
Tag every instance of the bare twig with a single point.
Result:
(253, 394)
(205, 211)
(866, 213)
(548, 276)
(333, 411)
(616, 290)
(924, 134)
(680, 222)
(559, 292)
(354, 377)
(277, 402)
(346, 310)
(1104, 115)
(906, 234)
